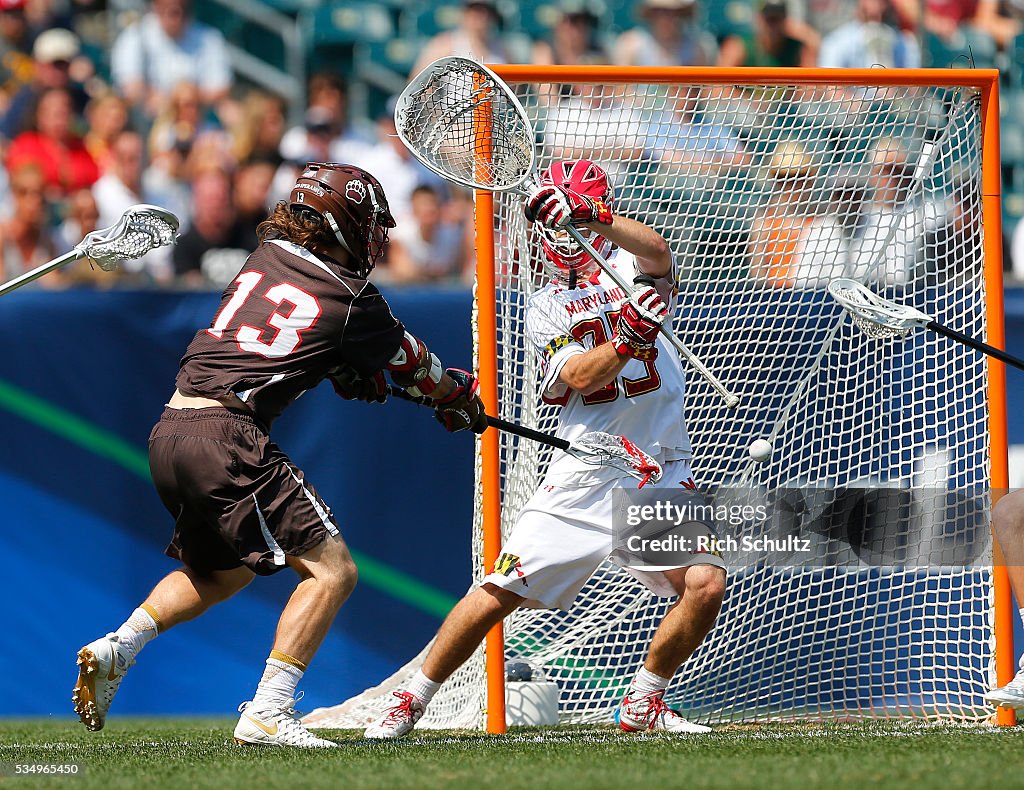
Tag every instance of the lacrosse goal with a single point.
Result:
(769, 183)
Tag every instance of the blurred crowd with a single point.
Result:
(92, 122)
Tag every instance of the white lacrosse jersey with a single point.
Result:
(644, 403)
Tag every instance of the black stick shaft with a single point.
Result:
(494, 422)
(985, 348)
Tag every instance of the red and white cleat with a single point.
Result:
(398, 720)
(651, 712)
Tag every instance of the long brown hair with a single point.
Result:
(305, 229)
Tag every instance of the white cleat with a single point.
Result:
(102, 665)
(270, 724)
(398, 720)
(1011, 695)
(651, 712)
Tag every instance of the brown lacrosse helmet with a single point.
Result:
(353, 205)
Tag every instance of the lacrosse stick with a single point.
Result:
(464, 123)
(886, 320)
(142, 228)
(594, 447)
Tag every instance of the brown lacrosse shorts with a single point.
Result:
(235, 496)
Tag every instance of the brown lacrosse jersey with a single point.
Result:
(288, 319)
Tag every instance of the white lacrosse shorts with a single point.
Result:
(564, 533)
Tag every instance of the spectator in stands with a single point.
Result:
(475, 36)
(680, 138)
(120, 186)
(166, 181)
(52, 56)
(872, 39)
(776, 40)
(790, 245)
(180, 120)
(944, 18)
(82, 218)
(166, 47)
(399, 171)
(325, 135)
(54, 148)
(573, 41)
(25, 240)
(260, 128)
(106, 117)
(252, 195)
(15, 46)
(896, 220)
(426, 248)
(593, 124)
(670, 36)
(213, 249)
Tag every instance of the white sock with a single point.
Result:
(647, 683)
(280, 678)
(138, 630)
(422, 687)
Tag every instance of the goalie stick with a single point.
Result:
(884, 320)
(440, 116)
(593, 447)
(141, 229)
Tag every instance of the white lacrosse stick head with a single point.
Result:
(464, 123)
(878, 317)
(141, 229)
(605, 449)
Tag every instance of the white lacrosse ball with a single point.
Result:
(760, 450)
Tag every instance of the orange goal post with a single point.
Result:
(768, 183)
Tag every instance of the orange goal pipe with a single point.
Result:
(487, 371)
(992, 220)
(974, 78)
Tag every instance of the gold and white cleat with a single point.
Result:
(102, 665)
(265, 724)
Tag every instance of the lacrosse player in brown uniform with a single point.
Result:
(299, 311)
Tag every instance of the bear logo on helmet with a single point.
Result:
(355, 191)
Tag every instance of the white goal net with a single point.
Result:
(766, 193)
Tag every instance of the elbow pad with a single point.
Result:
(414, 367)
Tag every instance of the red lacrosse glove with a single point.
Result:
(639, 323)
(554, 207)
(350, 385)
(462, 408)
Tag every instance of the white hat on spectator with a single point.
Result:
(54, 45)
(668, 5)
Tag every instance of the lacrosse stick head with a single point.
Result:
(141, 229)
(605, 449)
(459, 119)
(878, 317)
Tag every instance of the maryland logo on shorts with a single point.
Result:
(557, 344)
(506, 563)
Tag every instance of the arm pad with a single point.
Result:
(414, 367)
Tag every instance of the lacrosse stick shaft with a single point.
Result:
(977, 345)
(494, 422)
(730, 400)
(39, 271)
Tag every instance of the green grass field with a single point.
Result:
(200, 753)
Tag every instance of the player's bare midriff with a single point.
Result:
(179, 401)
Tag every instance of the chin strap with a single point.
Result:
(572, 279)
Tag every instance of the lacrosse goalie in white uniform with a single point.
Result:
(605, 364)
